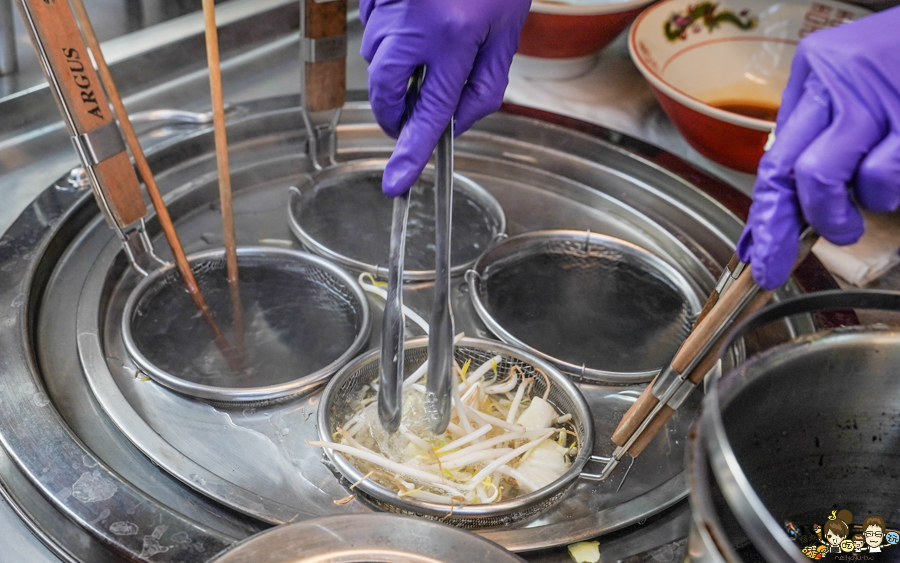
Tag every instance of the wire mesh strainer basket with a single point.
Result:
(344, 390)
(597, 307)
(328, 212)
(303, 318)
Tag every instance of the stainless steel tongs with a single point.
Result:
(393, 327)
(440, 344)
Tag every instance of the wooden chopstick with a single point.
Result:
(218, 109)
(143, 167)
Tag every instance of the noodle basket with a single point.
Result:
(564, 396)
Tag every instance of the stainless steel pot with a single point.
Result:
(359, 538)
(803, 428)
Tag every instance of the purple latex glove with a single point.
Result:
(837, 145)
(466, 47)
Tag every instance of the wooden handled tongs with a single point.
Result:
(735, 297)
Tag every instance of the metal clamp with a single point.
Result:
(317, 133)
(99, 144)
(323, 49)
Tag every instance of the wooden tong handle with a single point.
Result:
(78, 92)
(714, 296)
(697, 375)
(647, 401)
(702, 333)
(325, 81)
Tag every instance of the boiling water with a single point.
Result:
(595, 308)
(353, 219)
(297, 320)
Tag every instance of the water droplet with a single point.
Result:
(40, 400)
(285, 431)
(19, 300)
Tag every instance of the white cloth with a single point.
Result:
(874, 254)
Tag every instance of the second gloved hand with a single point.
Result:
(837, 145)
(466, 46)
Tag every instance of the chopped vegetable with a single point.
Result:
(585, 552)
(497, 446)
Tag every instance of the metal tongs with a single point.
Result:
(735, 297)
(393, 334)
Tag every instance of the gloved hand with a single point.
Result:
(837, 145)
(466, 46)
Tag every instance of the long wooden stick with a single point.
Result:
(218, 108)
(143, 167)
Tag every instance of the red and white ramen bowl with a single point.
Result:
(718, 68)
(562, 40)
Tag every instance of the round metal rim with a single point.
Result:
(383, 494)
(358, 537)
(380, 272)
(754, 517)
(474, 277)
(739, 493)
(44, 222)
(250, 394)
(703, 516)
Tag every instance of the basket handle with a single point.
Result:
(79, 93)
(324, 54)
(835, 299)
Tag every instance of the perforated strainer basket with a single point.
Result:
(341, 213)
(597, 307)
(303, 318)
(344, 390)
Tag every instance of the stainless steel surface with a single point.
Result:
(578, 183)
(247, 458)
(804, 447)
(162, 67)
(9, 60)
(440, 343)
(714, 531)
(258, 472)
(599, 308)
(361, 538)
(393, 326)
(344, 391)
(328, 211)
(304, 319)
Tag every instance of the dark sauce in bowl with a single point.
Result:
(752, 109)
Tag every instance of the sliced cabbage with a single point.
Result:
(546, 463)
(539, 414)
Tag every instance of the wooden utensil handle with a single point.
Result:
(78, 91)
(647, 401)
(697, 375)
(325, 46)
(714, 296)
(706, 329)
(657, 424)
(635, 415)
